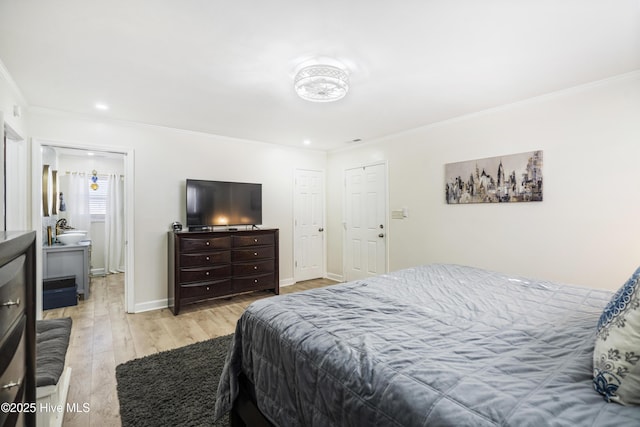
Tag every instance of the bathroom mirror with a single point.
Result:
(45, 190)
(49, 191)
(54, 193)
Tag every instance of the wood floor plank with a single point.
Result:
(104, 336)
(81, 363)
(104, 405)
(122, 340)
(185, 332)
(149, 336)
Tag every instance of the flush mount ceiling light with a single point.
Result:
(321, 83)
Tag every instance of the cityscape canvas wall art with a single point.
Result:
(502, 179)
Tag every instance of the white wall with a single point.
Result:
(586, 231)
(10, 96)
(164, 158)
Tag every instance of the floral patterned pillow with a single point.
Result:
(616, 358)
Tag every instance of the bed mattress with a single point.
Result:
(437, 345)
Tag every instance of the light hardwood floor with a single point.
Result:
(104, 336)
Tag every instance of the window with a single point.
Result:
(98, 199)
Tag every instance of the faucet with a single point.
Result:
(61, 224)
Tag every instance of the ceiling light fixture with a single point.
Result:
(321, 83)
(101, 106)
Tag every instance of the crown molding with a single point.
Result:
(133, 124)
(632, 75)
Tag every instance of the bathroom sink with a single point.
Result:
(72, 237)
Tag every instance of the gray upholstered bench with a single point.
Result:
(52, 379)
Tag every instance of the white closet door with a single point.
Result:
(365, 221)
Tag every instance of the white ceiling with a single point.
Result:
(226, 67)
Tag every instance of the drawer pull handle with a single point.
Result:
(208, 258)
(255, 267)
(255, 253)
(255, 281)
(255, 240)
(207, 288)
(208, 243)
(11, 385)
(206, 274)
(10, 303)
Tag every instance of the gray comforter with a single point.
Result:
(438, 345)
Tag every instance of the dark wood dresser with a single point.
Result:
(17, 329)
(213, 264)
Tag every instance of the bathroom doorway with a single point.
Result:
(73, 168)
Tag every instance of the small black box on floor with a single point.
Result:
(59, 292)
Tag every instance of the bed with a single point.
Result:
(436, 345)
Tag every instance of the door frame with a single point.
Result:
(324, 221)
(9, 134)
(385, 164)
(36, 211)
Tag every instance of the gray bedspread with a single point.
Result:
(439, 345)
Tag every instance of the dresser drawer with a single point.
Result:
(12, 292)
(253, 240)
(203, 291)
(12, 363)
(192, 260)
(262, 281)
(252, 268)
(200, 274)
(200, 244)
(251, 254)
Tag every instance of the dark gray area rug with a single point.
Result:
(173, 388)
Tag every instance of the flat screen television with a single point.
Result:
(211, 203)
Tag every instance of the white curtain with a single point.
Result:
(114, 225)
(76, 199)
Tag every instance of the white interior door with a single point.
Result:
(365, 221)
(308, 225)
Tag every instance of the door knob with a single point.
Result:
(380, 235)
(320, 229)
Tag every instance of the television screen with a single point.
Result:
(212, 203)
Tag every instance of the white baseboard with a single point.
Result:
(97, 271)
(336, 277)
(150, 305)
(100, 271)
(287, 282)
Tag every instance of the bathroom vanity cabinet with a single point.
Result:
(68, 260)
